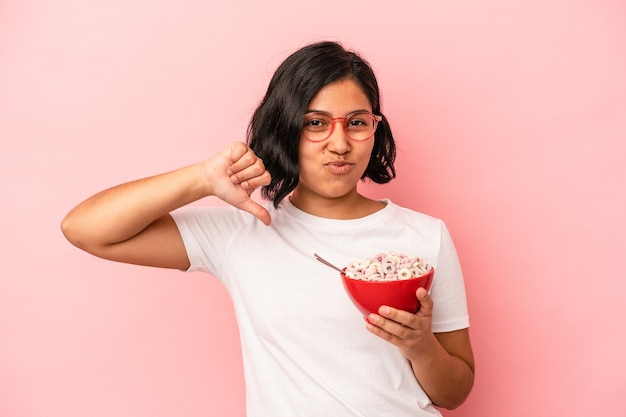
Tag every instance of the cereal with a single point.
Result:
(390, 266)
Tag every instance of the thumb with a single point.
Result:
(426, 302)
(256, 210)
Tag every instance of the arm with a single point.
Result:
(443, 363)
(131, 222)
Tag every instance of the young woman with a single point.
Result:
(307, 351)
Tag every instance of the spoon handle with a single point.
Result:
(325, 262)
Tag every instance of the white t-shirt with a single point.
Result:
(306, 351)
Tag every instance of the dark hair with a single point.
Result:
(276, 125)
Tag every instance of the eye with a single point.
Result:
(359, 121)
(316, 122)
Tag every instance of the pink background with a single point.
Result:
(509, 118)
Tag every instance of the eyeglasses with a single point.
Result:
(359, 126)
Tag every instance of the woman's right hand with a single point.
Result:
(131, 222)
(233, 174)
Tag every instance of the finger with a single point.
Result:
(387, 329)
(252, 178)
(237, 150)
(403, 318)
(242, 161)
(426, 302)
(392, 319)
(255, 175)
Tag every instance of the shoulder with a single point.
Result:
(201, 217)
(410, 215)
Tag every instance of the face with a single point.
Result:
(333, 167)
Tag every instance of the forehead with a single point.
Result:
(340, 98)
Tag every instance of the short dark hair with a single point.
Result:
(275, 128)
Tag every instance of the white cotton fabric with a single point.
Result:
(306, 351)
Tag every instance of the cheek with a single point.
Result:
(366, 151)
(308, 151)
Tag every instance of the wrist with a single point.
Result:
(428, 350)
(204, 182)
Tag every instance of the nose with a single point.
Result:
(338, 142)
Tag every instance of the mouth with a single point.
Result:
(339, 167)
(339, 162)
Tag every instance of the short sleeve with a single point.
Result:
(448, 290)
(206, 233)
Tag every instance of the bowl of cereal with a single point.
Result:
(389, 279)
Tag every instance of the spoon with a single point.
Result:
(325, 262)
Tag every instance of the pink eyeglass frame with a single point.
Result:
(377, 119)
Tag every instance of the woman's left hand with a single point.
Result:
(442, 363)
(411, 333)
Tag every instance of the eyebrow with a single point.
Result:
(329, 114)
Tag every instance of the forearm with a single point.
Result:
(446, 379)
(121, 212)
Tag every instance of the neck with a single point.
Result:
(346, 207)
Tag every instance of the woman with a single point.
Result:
(307, 352)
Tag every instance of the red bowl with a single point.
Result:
(368, 296)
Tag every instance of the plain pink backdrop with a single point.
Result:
(509, 118)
